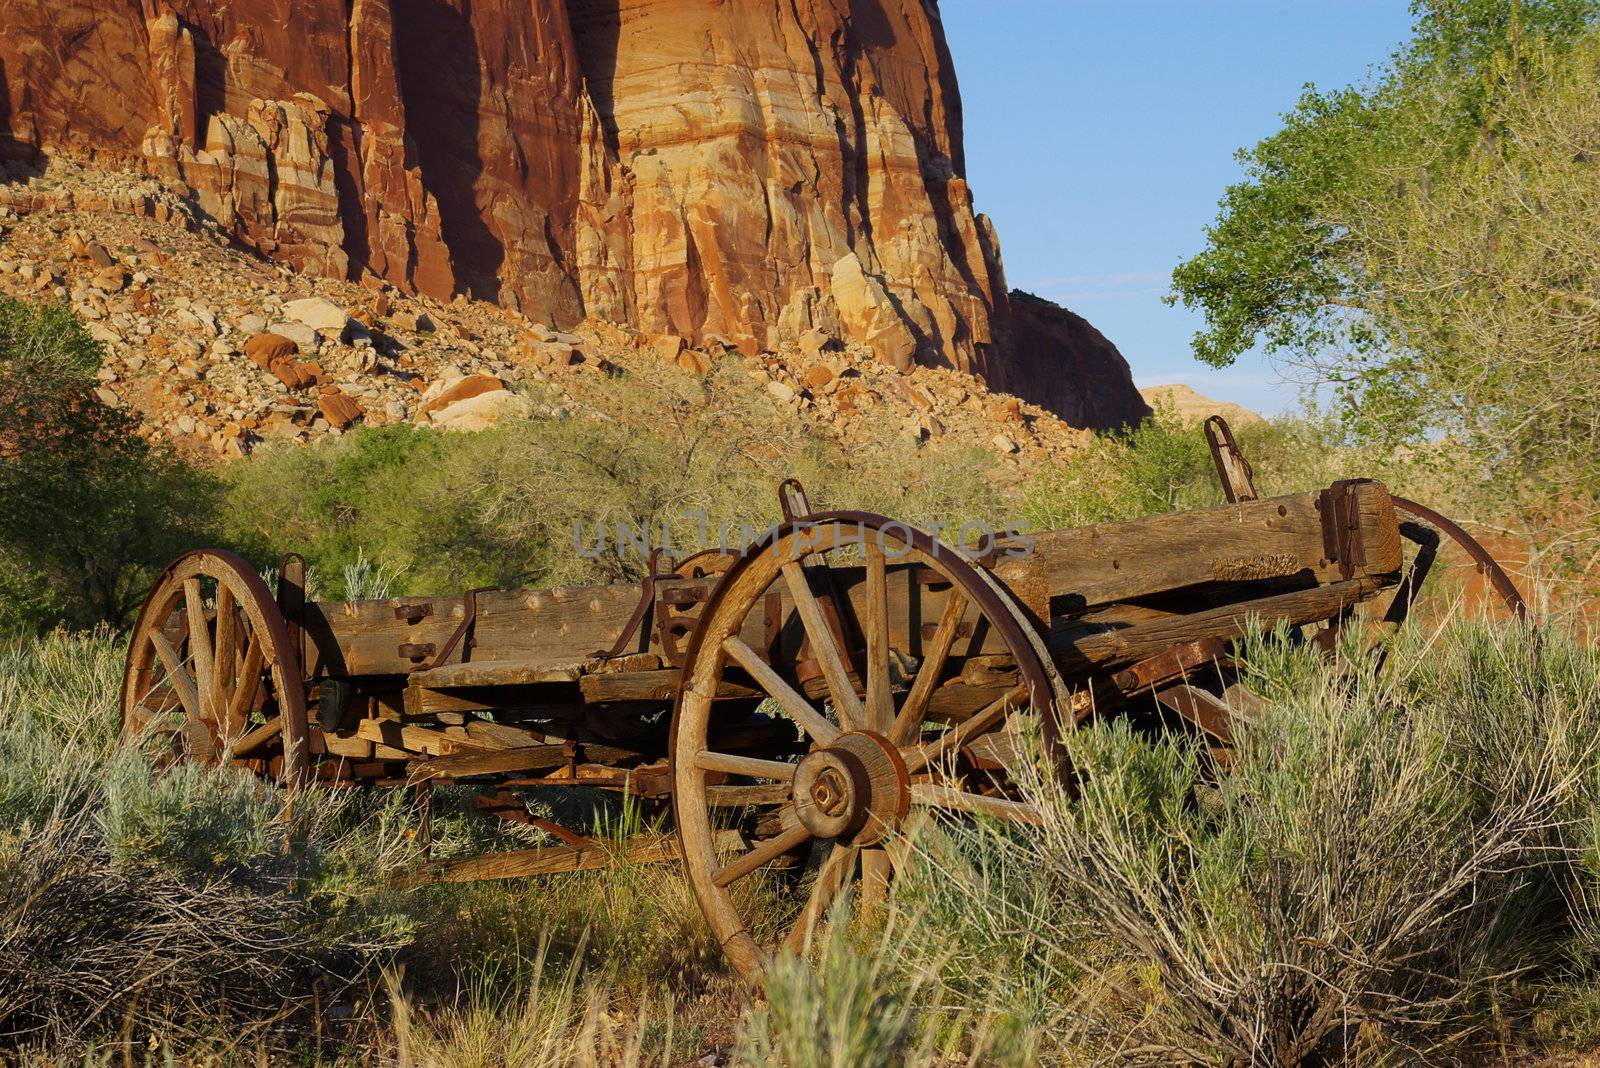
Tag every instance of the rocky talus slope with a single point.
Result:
(732, 174)
(219, 349)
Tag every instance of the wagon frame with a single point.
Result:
(799, 704)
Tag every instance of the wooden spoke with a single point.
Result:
(772, 793)
(244, 688)
(948, 797)
(920, 757)
(761, 855)
(851, 713)
(200, 646)
(258, 737)
(755, 767)
(224, 675)
(791, 700)
(197, 736)
(938, 650)
(875, 869)
(181, 681)
(831, 878)
(880, 703)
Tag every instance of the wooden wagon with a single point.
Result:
(797, 703)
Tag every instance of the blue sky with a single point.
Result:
(1100, 134)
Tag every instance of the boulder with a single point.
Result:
(318, 314)
(98, 254)
(695, 362)
(444, 393)
(480, 411)
(416, 322)
(299, 333)
(817, 376)
(339, 408)
(294, 374)
(110, 279)
(667, 347)
(266, 349)
(813, 343)
(546, 353)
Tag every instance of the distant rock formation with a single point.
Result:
(1192, 407)
(696, 168)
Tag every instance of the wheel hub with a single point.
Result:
(855, 790)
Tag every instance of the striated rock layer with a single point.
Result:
(711, 169)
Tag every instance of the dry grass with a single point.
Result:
(1402, 865)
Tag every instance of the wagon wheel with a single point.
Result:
(212, 669)
(1426, 528)
(883, 741)
(1426, 531)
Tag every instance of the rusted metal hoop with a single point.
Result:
(1486, 562)
(285, 665)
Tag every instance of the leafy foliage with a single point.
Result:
(90, 510)
(1424, 242)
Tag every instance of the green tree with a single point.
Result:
(88, 511)
(1282, 266)
(1424, 242)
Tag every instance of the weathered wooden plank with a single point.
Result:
(1074, 651)
(545, 627)
(417, 739)
(528, 758)
(504, 736)
(1254, 540)
(551, 700)
(648, 686)
(497, 673)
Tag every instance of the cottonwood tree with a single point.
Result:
(1426, 243)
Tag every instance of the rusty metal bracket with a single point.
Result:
(1238, 478)
(1487, 565)
(641, 611)
(413, 612)
(793, 500)
(463, 634)
(1341, 525)
(1175, 663)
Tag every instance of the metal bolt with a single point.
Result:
(829, 792)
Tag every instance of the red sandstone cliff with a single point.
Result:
(726, 168)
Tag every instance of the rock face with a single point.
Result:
(715, 171)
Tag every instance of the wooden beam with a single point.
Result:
(1255, 540)
(1073, 650)
(529, 758)
(417, 739)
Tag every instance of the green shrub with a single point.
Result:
(682, 460)
(91, 511)
(1386, 858)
